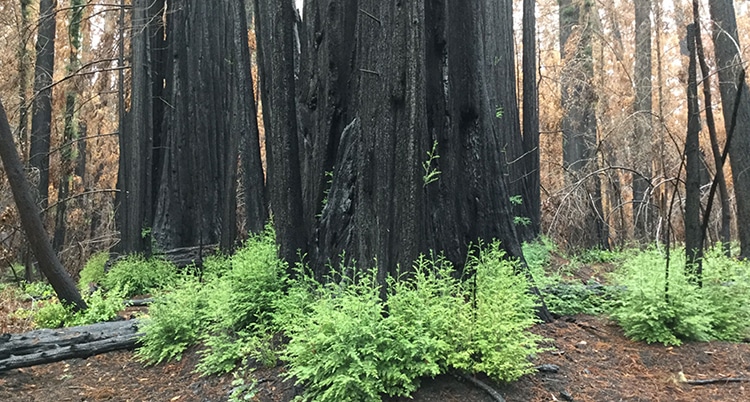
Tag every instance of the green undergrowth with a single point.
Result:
(105, 293)
(568, 297)
(50, 313)
(650, 303)
(140, 275)
(651, 311)
(342, 340)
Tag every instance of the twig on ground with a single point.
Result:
(709, 381)
(481, 384)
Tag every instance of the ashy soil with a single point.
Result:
(596, 363)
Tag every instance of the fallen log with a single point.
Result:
(53, 345)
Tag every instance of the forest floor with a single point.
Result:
(596, 363)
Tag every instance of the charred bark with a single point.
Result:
(693, 235)
(643, 214)
(275, 22)
(53, 345)
(137, 166)
(41, 118)
(416, 77)
(31, 220)
(532, 172)
(208, 95)
(729, 67)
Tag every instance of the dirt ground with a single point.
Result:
(596, 363)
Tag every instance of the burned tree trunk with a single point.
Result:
(643, 213)
(693, 235)
(41, 115)
(406, 119)
(532, 172)
(729, 67)
(208, 93)
(53, 345)
(31, 220)
(274, 26)
(141, 125)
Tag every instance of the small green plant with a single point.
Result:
(431, 174)
(519, 220)
(499, 111)
(649, 312)
(93, 271)
(51, 314)
(175, 322)
(101, 307)
(39, 290)
(241, 306)
(242, 390)
(347, 344)
(140, 276)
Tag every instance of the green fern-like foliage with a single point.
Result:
(140, 276)
(93, 271)
(175, 322)
(347, 344)
(717, 310)
(241, 306)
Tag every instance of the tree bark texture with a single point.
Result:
(729, 65)
(41, 118)
(579, 124)
(208, 109)
(532, 173)
(31, 220)
(53, 345)
(693, 235)
(274, 26)
(136, 175)
(643, 214)
(381, 84)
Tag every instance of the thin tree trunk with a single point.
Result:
(24, 72)
(41, 118)
(729, 66)
(31, 221)
(531, 118)
(724, 230)
(643, 215)
(693, 244)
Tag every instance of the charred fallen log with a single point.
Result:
(53, 345)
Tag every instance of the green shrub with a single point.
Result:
(93, 271)
(500, 343)
(346, 344)
(241, 305)
(51, 314)
(140, 276)
(175, 322)
(718, 310)
(39, 290)
(101, 307)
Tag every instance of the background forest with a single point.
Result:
(366, 177)
(638, 118)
